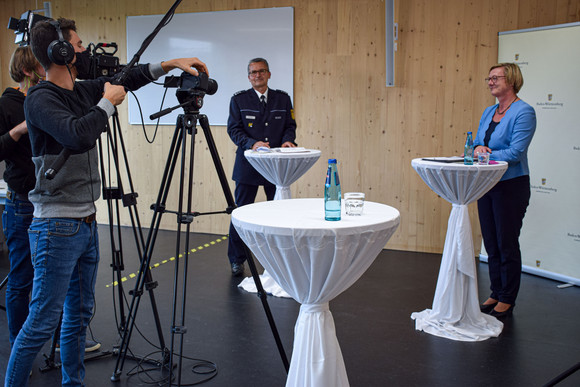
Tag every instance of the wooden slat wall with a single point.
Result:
(342, 105)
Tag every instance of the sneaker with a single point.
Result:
(90, 346)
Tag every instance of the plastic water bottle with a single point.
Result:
(468, 152)
(332, 192)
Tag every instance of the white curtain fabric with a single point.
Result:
(282, 169)
(314, 261)
(455, 312)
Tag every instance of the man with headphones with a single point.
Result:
(64, 114)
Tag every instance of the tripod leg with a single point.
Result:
(49, 363)
(231, 205)
(143, 279)
(4, 282)
(563, 375)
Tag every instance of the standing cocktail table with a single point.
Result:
(314, 261)
(455, 312)
(282, 167)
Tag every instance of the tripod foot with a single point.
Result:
(116, 376)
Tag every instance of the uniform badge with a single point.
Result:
(250, 124)
(292, 113)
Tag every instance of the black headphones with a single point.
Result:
(60, 51)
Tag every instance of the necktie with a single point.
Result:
(263, 103)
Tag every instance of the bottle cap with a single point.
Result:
(331, 161)
(468, 132)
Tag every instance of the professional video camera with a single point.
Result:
(103, 63)
(23, 25)
(191, 88)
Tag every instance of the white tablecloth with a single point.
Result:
(455, 312)
(314, 261)
(281, 167)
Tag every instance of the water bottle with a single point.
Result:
(468, 152)
(332, 192)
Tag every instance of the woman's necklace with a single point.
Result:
(505, 110)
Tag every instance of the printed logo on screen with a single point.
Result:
(550, 103)
(575, 236)
(543, 188)
(517, 58)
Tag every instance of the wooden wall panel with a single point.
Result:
(342, 105)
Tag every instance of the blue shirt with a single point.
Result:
(512, 137)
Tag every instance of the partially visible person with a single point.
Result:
(505, 131)
(19, 176)
(259, 117)
(64, 114)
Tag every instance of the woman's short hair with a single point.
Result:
(513, 75)
(22, 60)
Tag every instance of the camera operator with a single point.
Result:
(62, 113)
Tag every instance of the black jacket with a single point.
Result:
(247, 125)
(19, 173)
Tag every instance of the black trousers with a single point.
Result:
(501, 214)
(244, 194)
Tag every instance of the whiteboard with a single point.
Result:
(548, 58)
(225, 41)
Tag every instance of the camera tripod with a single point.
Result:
(185, 125)
(114, 195)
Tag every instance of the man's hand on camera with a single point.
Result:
(190, 65)
(114, 93)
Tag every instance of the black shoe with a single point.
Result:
(237, 269)
(506, 313)
(487, 308)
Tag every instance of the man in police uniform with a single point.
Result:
(259, 117)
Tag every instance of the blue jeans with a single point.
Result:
(16, 219)
(65, 256)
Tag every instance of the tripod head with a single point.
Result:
(190, 92)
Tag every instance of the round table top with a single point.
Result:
(458, 183)
(285, 217)
(421, 162)
(283, 153)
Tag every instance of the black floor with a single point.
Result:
(227, 326)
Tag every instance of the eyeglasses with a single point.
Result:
(494, 78)
(256, 72)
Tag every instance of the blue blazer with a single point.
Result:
(512, 137)
(247, 125)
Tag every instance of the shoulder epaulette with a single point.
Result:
(240, 92)
(281, 91)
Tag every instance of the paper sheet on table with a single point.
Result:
(281, 150)
(451, 159)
